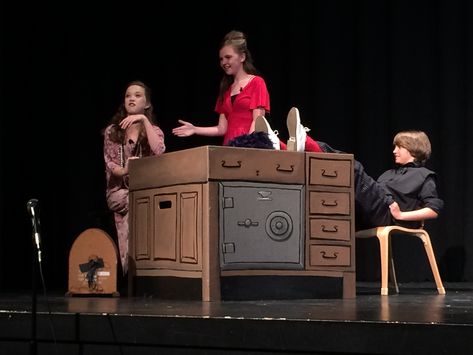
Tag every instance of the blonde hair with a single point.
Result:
(416, 142)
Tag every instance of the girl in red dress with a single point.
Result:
(243, 100)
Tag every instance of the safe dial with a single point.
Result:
(279, 226)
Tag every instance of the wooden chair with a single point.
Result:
(384, 237)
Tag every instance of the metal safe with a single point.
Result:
(261, 226)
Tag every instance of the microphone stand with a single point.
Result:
(34, 271)
(33, 343)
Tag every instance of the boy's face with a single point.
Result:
(402, 156)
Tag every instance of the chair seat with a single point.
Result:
(387, 264)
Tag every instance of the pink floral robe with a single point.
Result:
(115, 155)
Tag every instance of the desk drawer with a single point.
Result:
(334, 203)
(329, 255)
(330, 172)
(257, 165)
(199, 165)
(326, 228)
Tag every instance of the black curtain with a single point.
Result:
(359, 71)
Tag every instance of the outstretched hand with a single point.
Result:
(185, 130)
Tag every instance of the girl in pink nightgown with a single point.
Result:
(131, 134)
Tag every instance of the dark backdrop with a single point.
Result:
(359, 71)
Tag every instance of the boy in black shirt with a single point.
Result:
(405, 195)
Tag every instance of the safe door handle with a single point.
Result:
(247, 223)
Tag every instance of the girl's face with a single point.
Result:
(402, 156)
(231, 61)
(135, 100)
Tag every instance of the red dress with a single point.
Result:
(239, 114)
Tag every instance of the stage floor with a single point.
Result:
(416, 321)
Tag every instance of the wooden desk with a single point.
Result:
(178, 214)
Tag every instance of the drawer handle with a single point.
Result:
(238, 165)
(333, 256)
(278, 168)
(328, 204)
(328, 230)
(333, 174)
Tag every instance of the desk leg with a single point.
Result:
(210, 255)
(349, 285)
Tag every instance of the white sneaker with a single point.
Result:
(262, 125)
(297, 132)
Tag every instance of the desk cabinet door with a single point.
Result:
(167, 227)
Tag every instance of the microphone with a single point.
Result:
(31, 207)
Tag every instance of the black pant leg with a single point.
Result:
(371, 201)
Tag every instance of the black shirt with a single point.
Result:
(412, 187)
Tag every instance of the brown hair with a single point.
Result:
(237, 40)
(416, 142)
(116, 133)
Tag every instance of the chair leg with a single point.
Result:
(384, 253)
(433, 263)
(392, 270)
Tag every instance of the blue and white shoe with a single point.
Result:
(297, 132)
(262, 125)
